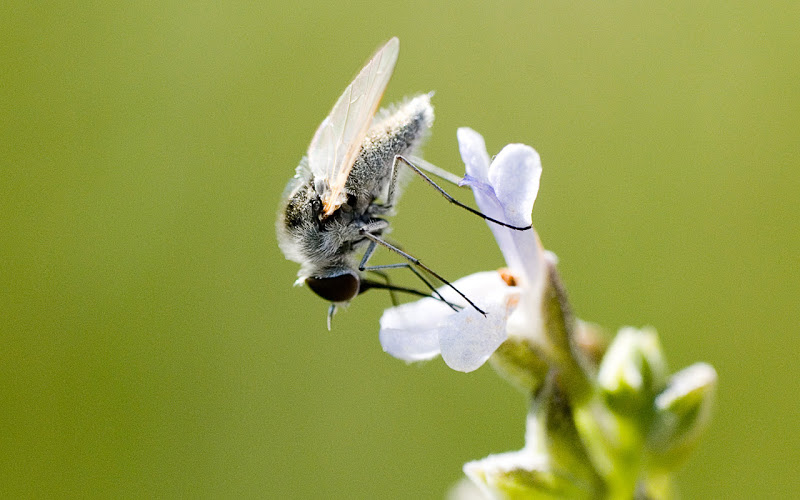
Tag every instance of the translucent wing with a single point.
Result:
(338, 139)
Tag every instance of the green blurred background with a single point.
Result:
(151, 343)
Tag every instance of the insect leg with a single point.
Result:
(367, 284)
(413, 260)
(371, 249)
(434, 292)
(400, 159)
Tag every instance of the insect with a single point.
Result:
(334, 205)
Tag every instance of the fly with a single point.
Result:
(349, 181)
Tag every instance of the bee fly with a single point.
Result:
(349, 179)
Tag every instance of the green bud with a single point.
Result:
(632, 372)
(683, 411)
(614, 423)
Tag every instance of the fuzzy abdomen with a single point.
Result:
(397, 130)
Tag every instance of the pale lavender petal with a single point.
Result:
(468, 338)
(482, 288)
(408, 332)
(476, 160)
(410, 345)
(473, 153)
(423, 314)
(515, 174)
(413, 332)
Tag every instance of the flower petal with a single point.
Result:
(473, 153)
(514, 175)
(413, 332)
(408, 332)
(468, 338)
(424, 314)
(476, 160)
(410, 345)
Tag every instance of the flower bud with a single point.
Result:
(683, 411)
(632, 372)
(613, 424)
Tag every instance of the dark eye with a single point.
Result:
(340, 288)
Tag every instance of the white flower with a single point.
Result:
(504, 190)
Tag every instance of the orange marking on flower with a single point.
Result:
(507, 276)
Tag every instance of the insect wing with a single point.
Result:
(338, 139)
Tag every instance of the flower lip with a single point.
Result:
(427, 328)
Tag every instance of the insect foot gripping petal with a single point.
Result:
(341, 287)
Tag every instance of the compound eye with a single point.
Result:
(340, 288)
